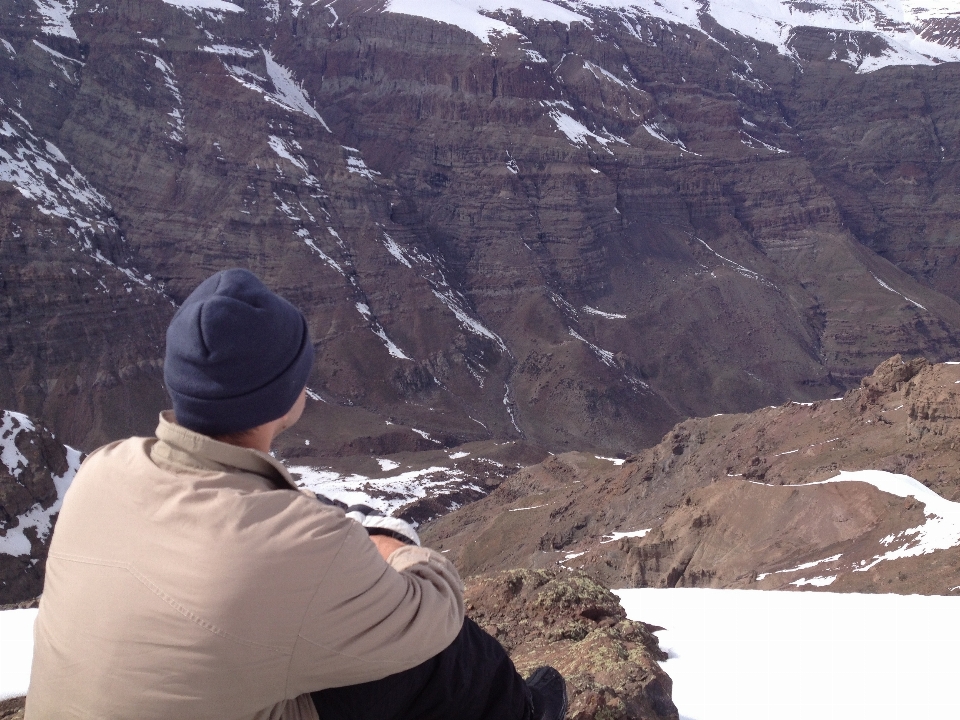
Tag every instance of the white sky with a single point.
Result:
(763, 655)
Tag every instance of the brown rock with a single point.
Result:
(570, 622)
(12, 708)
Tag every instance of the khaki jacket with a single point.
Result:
(188, 578)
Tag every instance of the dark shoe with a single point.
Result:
(549, 693)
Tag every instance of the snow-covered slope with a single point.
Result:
(749, 655)
(899, 24)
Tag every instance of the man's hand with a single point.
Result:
(386, 544)
(377, 524)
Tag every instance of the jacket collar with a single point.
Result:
(181, 446)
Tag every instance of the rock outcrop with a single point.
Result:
(12, 708)
(567, 620)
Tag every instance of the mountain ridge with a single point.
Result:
(761, 501)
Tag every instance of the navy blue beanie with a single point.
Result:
(238, 355)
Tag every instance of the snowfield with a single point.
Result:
(387, 494)
(766, 655)
(752, 654)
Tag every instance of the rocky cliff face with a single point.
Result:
(744, 500)
(572, 232)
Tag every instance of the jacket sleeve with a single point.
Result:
(370, 618)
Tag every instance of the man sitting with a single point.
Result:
(188, 577)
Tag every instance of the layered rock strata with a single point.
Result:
(574, 234)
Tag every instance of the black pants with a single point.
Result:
(473, 679)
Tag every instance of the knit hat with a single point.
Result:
(238, 355)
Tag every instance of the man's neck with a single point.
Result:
(258, 438)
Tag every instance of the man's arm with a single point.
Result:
(382, 607)
(386, 545)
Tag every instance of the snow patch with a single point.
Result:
(288, 92)
(378, 330)
(229, 50)
(285, 92)
(392, 348)
(387, 494)
(887, 287)
(58, 55)
(169, 80)
(215, 5)
(282, 148)
(816, 582)
(576, 132)
(605, 356)
(39, 171)
(615, 461)
(391, 245)
(508, 404)
(56, 17)
(804, 566)
(617, 535)
(273, 9)
(448, 298)
(770, 21)
(599, 73)
(609, 316)
(356, 165)
(655, 131)
(534, 56)
(752, 142)
(387, 465)
(563, 304)
(746, 272)
(13, 424)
